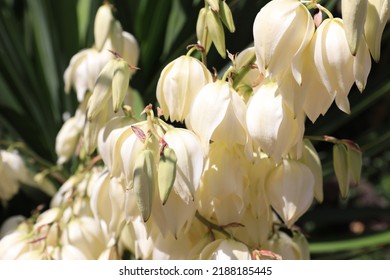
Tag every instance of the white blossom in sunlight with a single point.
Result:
(178, 85)
(218, 114)
(281, 31)
(271, 124)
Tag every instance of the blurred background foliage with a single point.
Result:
(38, 39)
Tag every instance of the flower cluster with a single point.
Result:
(232, 183)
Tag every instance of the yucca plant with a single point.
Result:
(38, 39)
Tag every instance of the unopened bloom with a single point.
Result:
(282, 29)
(179, 83)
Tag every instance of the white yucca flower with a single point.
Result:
(178, 85)
(290, 190)
(218, 114)
(271, 124)
(281, 31)
(225, 249)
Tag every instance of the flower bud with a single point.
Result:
(144, 182)
(166, 173)
(201, 30)
(120, 83)
(340, 165)
(354, 162)
(216, 32)
(312, 160)
(102, 25)
(378, 13)
(226, 16)
(179, 83)
(354, 16)
(282, 29)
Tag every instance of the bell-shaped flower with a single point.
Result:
(378, 14)
(108, 201)
(284, 245)
(354, 16)
(189, 161)
(86, 234)
(179, 83)
(17, 243)
(218, 114)
(281, 31)
(10, 225)
(225, 249)
(317, 98)
(224, 182)
(13, 172)
(83, 70)
(338, 70)
(110, 140)
(271, 124)
(290, 190)
(68, 137)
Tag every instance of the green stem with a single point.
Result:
(378, 239)
(227, 73)
(215, 227)
(243, 71)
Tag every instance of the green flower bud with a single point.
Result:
(120, 83)
(226, 16)
(354, 162)
(166, 173)
(340, 165)
(201, 30)
(216, 32)
(144, 182)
